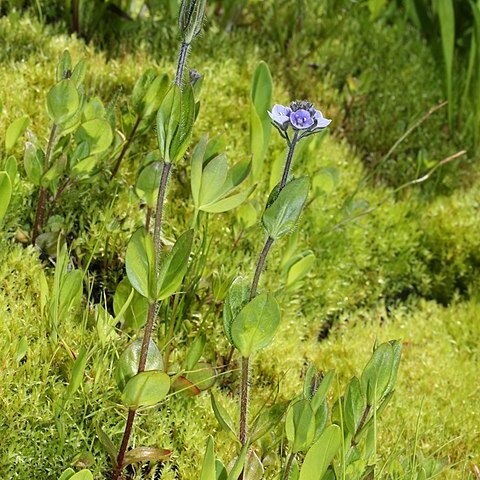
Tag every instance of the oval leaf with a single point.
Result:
(97, 133)
(321, 454)
(256, 324)
(282, 215)
(140, 263)
(129, 360)
(62, 101)
(146, 389)
(14, 131)
(174, 266)
(5, 193)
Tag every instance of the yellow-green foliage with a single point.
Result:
(380, 271)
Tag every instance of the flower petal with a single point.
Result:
(301, 119)
(322, 122)
(280, 114)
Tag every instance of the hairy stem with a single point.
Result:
(148, 218)
(288, 466)
(182, 58)
(361, 423)
(244, 400)
(126, 146)
(152, 310)
(260, 266)
(288, 162)
(42, 198)
(253, 292)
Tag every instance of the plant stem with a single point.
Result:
(361, 424)
(126, 146)
(157, 240)
(117, 471)
(40, 213)
(152, 310)
(244, 401)
(288, 162)
(253, 292)
(182, 58)
(260, 266)
(288, 466)
(148, 217)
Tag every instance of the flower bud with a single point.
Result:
(190, 18)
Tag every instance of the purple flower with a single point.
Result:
(280, 116)
(301, 115)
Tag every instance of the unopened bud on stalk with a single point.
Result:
(190, 19)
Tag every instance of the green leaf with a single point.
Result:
(64, 66)
(446, 15)
(107, 444)
(223, 418)
(282, 215)
(22, 348)
(14, 131)
(267, 421)
(5, 193)
(196, 163)
(146, 389)
(322, 390)
(135, 314)
(239, 464)
(256, 324)
(300, 425)
(174, 266)
(140, 264)
(11, 168)
(300, 268)
(377, 373)
(321, 418)
(148, 182)
(97, 133)
(195, 351)
(354, 405)
(154, 96)
(63, 101)
(70, 292)
(260, 126)
(140, 89)
(32, 161)
(67, 474)
(208, 468)
(77, 373)
(78, 73)
(146, 454)
(203, 376)
(213, 179)
(257, 146)
(237, 297)
(228, 203)
(175, 119)
(321, 454)
(93, 109)
(397, 354)
(82, 475)
(129, 360)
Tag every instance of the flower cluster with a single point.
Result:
(301, 115)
